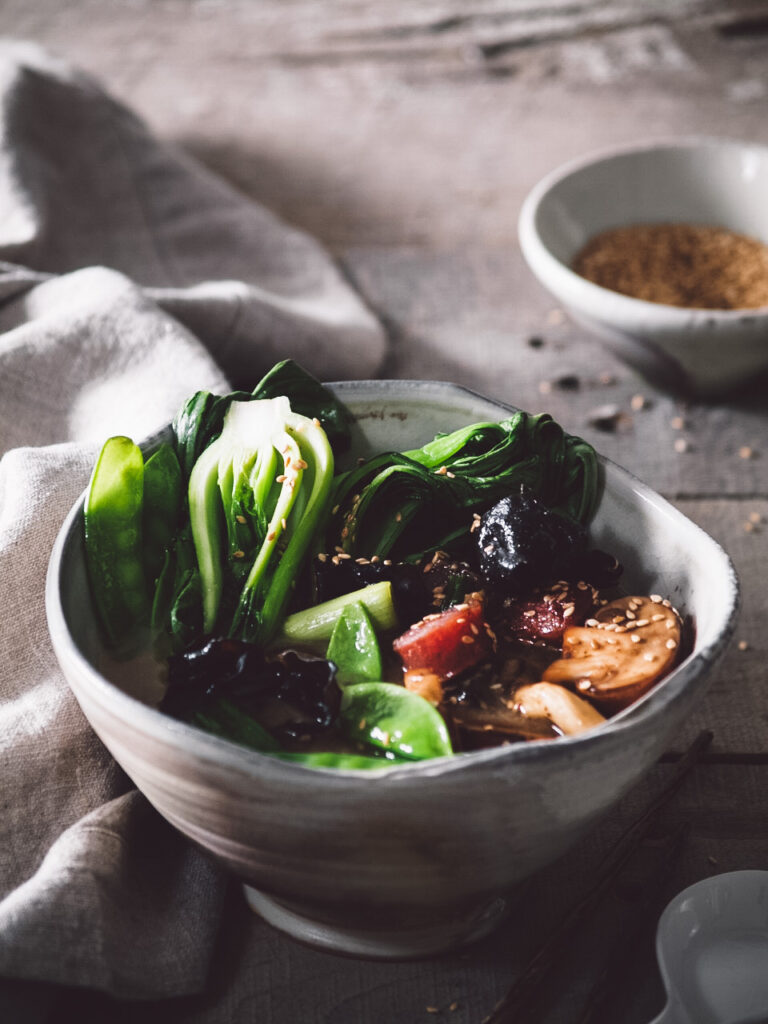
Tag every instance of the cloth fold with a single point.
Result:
(130, 277)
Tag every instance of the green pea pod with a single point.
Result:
(392, 718)
(355, 761)
(353, 647)
(162, 504)
(113, 540)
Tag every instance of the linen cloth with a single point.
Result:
(130, 277)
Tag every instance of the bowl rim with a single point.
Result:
(226, 754)
(609, 305)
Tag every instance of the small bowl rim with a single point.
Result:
(224, 753)
(615, 306)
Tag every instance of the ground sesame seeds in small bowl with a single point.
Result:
(661, 249)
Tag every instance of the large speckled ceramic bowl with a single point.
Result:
(720, 182)
(415, 860)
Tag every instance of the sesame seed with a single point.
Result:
(631, 615)
(271, 535)
(343, 554)
(241, 519)
(316, 421)
(677, 423)
(745, 452)
(283, 523)
(681, 445)
(529, 613)
(671, 644)
(743, 645)
(387, 561)
(301, 464)
(238, 554)
(658, 617)
(649, 657)
(451, 476)
(591, 622)
(375, 558)
(281, 479)
(583, 684)
(345, 532)
(399, 517)
(441, 471)
(636, 639)
(568, 611)
(322, 557)
(671, 623)
(755, 517)
(466, 639)
(637, 402)
(642, 622)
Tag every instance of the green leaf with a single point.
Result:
(404, 505)
(353, 647)
(308, 397)
(392, 718)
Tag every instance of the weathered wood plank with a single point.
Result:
(474, 316)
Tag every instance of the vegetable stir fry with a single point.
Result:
(423, 603)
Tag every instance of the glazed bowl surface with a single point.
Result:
(408, 861)
(703, 181)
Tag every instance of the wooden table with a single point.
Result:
(405, 136)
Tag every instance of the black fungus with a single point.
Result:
(299, 692)
(521, 542)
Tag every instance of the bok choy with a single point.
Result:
(256, 496)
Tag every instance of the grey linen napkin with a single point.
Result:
(130, 278)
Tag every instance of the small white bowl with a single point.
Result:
(711, 181)
(416, 860)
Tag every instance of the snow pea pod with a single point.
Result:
(113, 539)
(353, 647)
(394, 719)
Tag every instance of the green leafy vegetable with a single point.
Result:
(353, 647)
(201, 419)
(256, 496)
(163, 494)
(404, 505)
(388, 716)
(309, 398)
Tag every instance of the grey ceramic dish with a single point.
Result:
(416, 860)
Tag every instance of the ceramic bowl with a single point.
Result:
(416, 860)
(699, 181)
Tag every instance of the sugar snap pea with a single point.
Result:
(392, 718)
(353, 647)
(113, 539)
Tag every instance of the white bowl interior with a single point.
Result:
(703, 182)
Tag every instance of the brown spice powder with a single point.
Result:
(690, 265)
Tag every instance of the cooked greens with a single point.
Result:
(404, 505)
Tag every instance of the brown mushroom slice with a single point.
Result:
(569, 713)
(502, 720)
(618, 656)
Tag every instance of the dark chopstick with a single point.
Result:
(602, 998)
(518, 1004)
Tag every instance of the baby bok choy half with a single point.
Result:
(256, 495)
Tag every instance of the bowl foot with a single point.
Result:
(390, 943)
